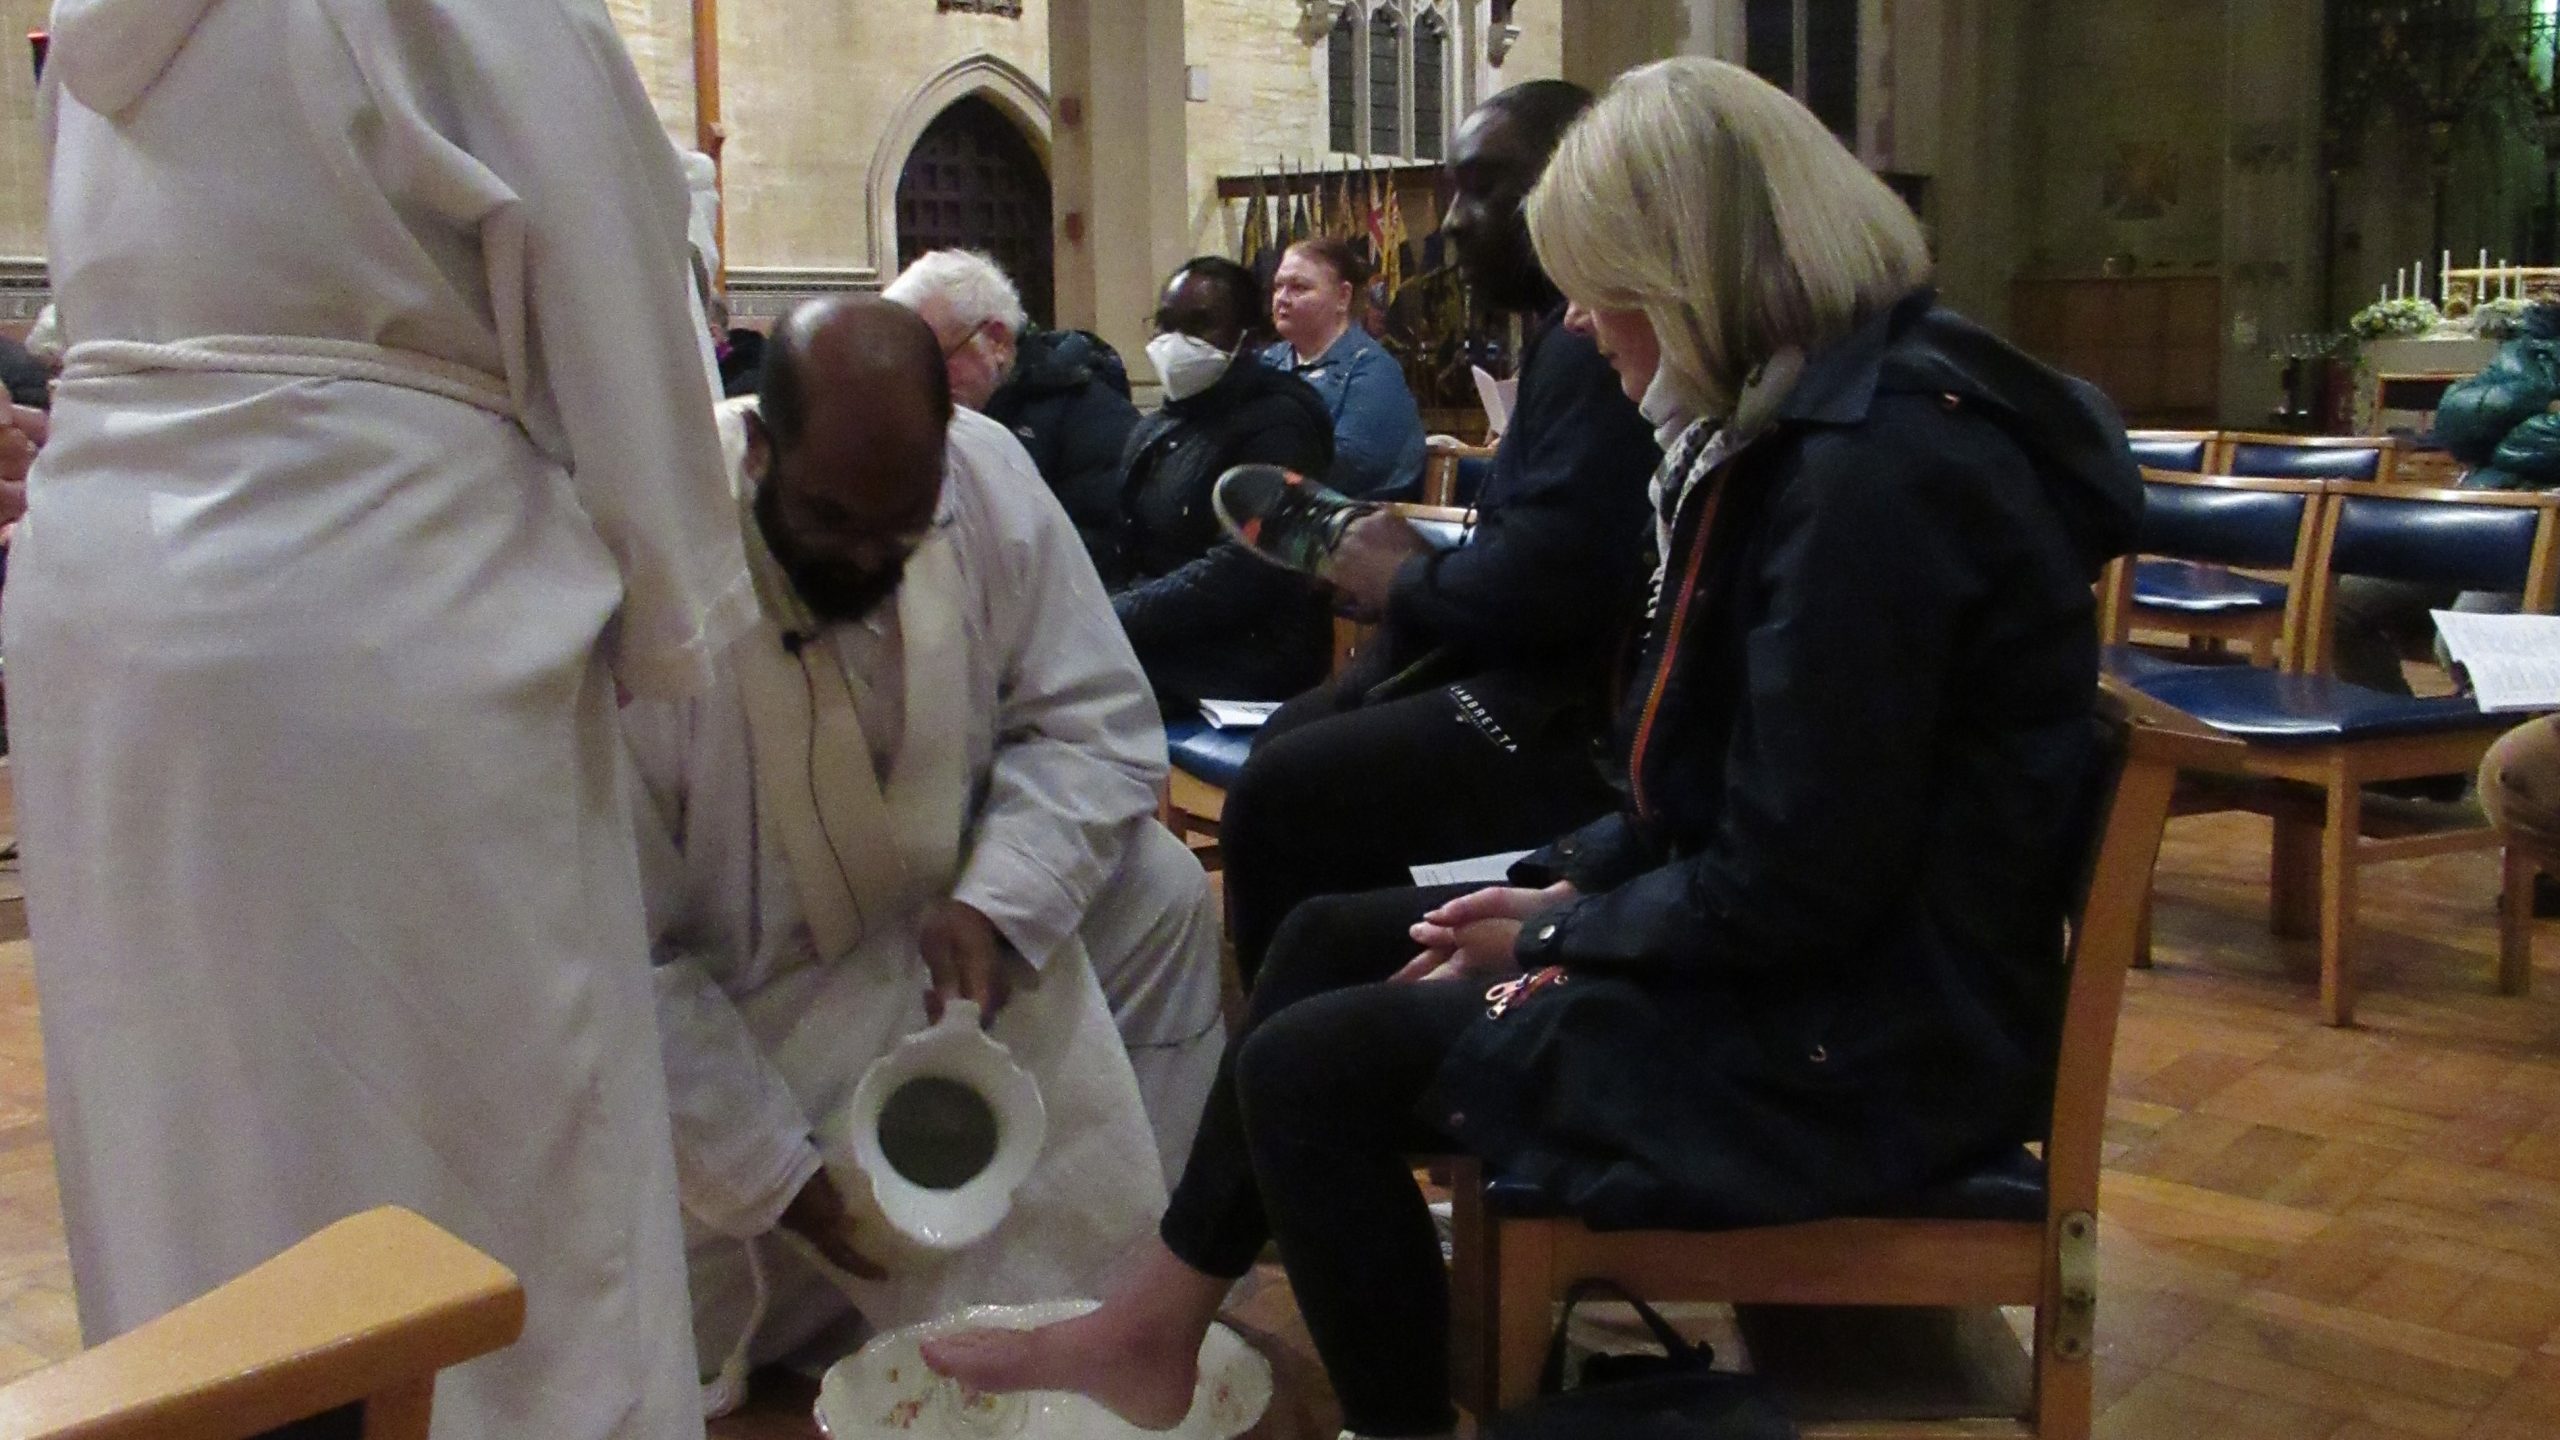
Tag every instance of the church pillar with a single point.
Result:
(2271, 219)
(1604, 39)
(1119, 161)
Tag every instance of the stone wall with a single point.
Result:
(21, 156)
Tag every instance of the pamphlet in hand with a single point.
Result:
(1237, 714)
(1483, 870)
(1498, 397)
(2513, 660)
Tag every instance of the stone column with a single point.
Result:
(2270, 196)
(1606, 38)
(1119, 162)
(1958, 120)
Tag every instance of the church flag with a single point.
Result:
(1393, 241)
(1257, 236)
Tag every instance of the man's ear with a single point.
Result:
(759, 446)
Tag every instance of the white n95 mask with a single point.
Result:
(1187, 364)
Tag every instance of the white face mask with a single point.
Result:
(1187, 365)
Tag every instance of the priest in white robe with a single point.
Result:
(929, 774)
(380, 459)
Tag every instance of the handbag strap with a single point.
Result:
(1551, 1374)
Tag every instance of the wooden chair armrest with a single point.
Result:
(372, 1305)
(2165, 734)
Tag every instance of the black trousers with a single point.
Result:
(1305, 1140)
(1342, 797)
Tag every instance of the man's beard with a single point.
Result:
(835, 592)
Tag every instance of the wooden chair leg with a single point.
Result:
(2515, 923)
(1472, 1309)
(2065, 1402)
(401, 1414)
(1524, 1294)
(2293, 878)
(2338, 898)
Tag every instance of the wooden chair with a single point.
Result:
(2313, 742)
(2199, 534)
(2005, 1238)
(2308, 457)
(1440, 472)
(360, 1317)
(1206, 760)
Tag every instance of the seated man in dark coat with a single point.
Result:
(1210, 621)
(1475, 721)
(1063, 393)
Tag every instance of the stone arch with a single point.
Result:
(992, 78)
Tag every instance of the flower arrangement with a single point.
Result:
(2409, 315)
(2498, 319)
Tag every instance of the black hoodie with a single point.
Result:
(1067, 401)
(1210, 621)
(1835, 897)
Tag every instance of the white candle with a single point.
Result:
(2421, 286)
(2480, 281)
(2444, 281)
(2400, 284)
(2384, 297)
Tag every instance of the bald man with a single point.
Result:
(927, 776)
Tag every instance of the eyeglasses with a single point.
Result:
(963, 343)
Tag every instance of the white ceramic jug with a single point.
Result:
(938, 1135)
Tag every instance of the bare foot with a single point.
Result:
(1144, 1382)
(1138, 1356)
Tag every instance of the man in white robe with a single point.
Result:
(380, 458)
(929, 774)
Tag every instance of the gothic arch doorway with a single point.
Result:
(973, 180)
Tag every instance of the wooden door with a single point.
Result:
(974, 182)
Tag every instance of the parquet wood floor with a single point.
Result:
(2307, 1234)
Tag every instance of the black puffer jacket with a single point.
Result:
(1817, 960)
(1067, 401)
(1209, 621)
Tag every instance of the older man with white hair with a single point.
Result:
(1063, 393)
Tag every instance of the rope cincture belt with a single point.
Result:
(294, 355)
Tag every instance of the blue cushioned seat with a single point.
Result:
(2169, 452)
(1206, 753)
(2271, 708)
(2133, 665)
(2009, 1188)
(2276, 460)
(2198, 589)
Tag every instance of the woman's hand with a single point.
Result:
(1474, 937)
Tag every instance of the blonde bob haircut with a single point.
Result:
(1709, 199)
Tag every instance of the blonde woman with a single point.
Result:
(1815, 964)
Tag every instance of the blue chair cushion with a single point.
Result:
(2134, 665)
(2277, 709)
(2435, 542)
(2307, 462)
(2223, 526)
(2009, 1188)
(2202, 589)
(1206, 753)
(2169, 452)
